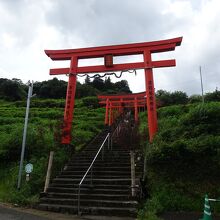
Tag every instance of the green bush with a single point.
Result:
(183, 160)
(91, 102)
(43, 135)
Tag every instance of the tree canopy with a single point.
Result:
(15, 89)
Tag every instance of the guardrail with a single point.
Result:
(90, 168)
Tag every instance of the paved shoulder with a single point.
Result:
(12, 213)
(8, 213)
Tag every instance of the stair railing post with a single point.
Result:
(47, 181)
(79, 200)
(103, 152)
(133, 193)
(91, 174)
(108, 141)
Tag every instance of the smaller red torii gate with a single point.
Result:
(119, 102)
(108, 53)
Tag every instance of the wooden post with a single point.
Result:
(47, 181)
(133, 193)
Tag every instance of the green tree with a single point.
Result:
(213, 96)
(87, 80)
(51, 89)
(12, 90)
(122, 86)
(171, 98)
(98, 83)
(195, 98)
(179, 97)
(108, 84)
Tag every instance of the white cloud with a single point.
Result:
(29, 27)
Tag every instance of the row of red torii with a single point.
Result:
(108, 53)
(115, 105)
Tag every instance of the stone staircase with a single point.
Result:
(109, 192)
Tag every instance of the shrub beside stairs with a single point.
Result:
(108, 194)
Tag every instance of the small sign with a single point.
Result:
(29, 168)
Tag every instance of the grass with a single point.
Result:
(183, 160)
(43, 135)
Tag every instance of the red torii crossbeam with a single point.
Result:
(133, 100)
(108, 52)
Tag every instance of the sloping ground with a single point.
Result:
(183, 161)
(43, 135)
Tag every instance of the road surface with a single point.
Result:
(8, 212)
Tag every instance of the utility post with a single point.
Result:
(30, 91)
(200, 71)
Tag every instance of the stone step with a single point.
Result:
(100, 172)
(96, 164)
(99, 160)
(110, 176)
(99, 186)
(106, 156)
(115, 168)
(99, 163)
(94, 181)
(110, 191)
(90, 195)
(90, 210)
(89, 202)
(89, 190)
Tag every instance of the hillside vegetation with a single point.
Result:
(15, 89)
(43, 135)
(183, 160)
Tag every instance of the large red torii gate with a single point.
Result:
(120, 101)
(108, 52)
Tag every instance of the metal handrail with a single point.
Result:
(114, 132)
(89, 170)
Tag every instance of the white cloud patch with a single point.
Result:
(29, 27)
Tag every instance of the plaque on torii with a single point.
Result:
(119, 102)
(109, 52)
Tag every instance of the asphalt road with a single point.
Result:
(11, 214)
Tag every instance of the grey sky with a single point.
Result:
(29, 26)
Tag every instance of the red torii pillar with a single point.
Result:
(106, 112)
(135, 109)
(108, 52)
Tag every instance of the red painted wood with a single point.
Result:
(146, 49)
(135, 110)
(123, 101)
(115, 67)
(122, 96)
(125, 49)
(69, 107)
(106, 112)
(151, 100)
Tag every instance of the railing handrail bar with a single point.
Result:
(116, 128)
(89, 170)
(114, 131)
(93, 160)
